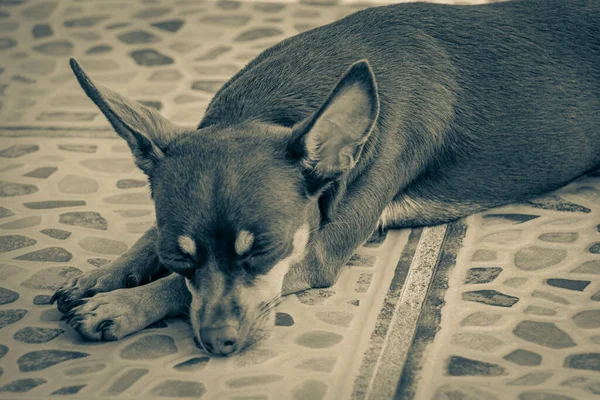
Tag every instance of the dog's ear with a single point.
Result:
(144, 129)
(329, 143)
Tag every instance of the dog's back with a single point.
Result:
(487, 103)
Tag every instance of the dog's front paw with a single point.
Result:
(106, 316)
(88, 284)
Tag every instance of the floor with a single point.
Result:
(500, 305)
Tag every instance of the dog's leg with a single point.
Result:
(129, 270)
(113, 315)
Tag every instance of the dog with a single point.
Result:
(396, 116)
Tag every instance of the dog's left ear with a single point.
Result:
(147, 132)
(329, 142)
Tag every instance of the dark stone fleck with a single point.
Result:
(41, 173)
(569, 284)
(550, 297)
(42, 359)
(103, 246)
(319, 339)
(56, 233)
(149, 347)
(545, 334)
(62, 116)
(588, 319)
(587, 361)
(152, 12)
(596, 297)
(68, 390)
(41, 299)
(228, 4)
(524, 357)
(490, 297)
(15, 242)
(283, 319)
(10, 189)
(3, 350)
(39, 10)
(56, 48)
(461, 366)
(497, 219)
(129, 198)
(98, 262)
(41, 31)
(543, 396)
(214, 53)
(207, 86)
(137, 36)
(555, 203)
(42, 205)
(8, 317)
(482, 275)
(79, 148)
(84, 21)
(31, 334)
(126, 380)
(21, 223)
(179, 388)
(257, 33)
(534, 258)
(588, 267)
(85, 219)
(22, 79)
(22, 385)
(5, 212)
(99, 49)
(117, 25)
(247, 381)
(559, 237)
(150, 57)
(49, 254)
(19, 150)
(192, 365)
(226, 20)
(51, 278)
(7, 270)
(268, 7)
(130, 183)
(7, 296)
(594, 248)
(172, 25)
(7, 43)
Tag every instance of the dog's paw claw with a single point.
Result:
(104, 325)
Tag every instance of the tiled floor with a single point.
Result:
(512, 311)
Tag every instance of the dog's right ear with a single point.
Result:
(329, 143)
(145, 130)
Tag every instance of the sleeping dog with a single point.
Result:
(397, 116)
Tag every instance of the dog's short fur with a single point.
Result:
(409, 114)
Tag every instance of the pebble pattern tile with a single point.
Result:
(531, 328)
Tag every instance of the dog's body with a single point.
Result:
(458, 109)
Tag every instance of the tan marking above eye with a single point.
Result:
(243, 242)
(187, 245)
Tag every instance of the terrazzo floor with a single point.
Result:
(504, 303)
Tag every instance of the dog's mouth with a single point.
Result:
(233, 338)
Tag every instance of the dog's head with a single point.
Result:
(236, 204)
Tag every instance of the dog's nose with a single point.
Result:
(220, 341)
